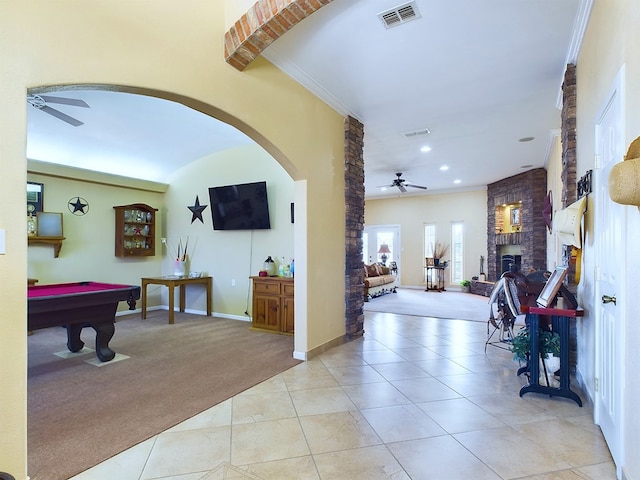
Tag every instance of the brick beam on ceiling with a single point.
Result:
(264, 23)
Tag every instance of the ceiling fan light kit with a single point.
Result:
(402, 184)
(40, 102)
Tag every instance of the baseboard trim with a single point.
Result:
(242, 318)
(314, 352)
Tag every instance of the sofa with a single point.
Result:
(378, 280)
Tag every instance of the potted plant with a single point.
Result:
(466, 286)
(548, 346)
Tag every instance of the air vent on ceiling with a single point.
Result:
(401, 14)
(416, 133)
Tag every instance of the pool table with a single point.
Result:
(78, 305)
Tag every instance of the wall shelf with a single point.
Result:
(55, 241)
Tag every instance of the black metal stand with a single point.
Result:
(560, 324)
(435, 278)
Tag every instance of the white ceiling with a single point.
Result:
(479, 75)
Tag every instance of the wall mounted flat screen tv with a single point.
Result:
(240, 207)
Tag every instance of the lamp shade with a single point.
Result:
(384, 248)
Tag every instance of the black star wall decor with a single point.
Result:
(197, 210)
(78, 206)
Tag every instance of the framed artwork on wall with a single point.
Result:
(35, 192)
(550, 290)
(515, 216)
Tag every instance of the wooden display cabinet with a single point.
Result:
(273, 304)
(135, 230)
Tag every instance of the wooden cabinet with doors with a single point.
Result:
(135, 230)
(273, 304)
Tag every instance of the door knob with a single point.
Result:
(608, 299)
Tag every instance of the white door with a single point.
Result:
(610, 275)
(377, 235)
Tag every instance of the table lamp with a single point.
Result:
(384, 249)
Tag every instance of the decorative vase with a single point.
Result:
(180, 268)
(552, 365)
(270, 266)
(436, 262)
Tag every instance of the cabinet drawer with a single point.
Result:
(272, 288)
(287, 289)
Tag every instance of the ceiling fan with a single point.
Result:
(402, 184)
(40, 102)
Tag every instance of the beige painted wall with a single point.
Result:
(612, 41)
(413, 212)
(554, 183)
(229, 256)
(172, 50)
(88, 249)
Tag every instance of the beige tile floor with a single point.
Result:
(416, 398)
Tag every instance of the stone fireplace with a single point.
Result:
(516, 232)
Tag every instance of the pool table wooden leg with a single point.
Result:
(74, 344)
(104, 333)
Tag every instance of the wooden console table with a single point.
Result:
(560, 319)
(171, 282)
(435, 278)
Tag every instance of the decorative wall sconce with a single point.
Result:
(584, 184)
(624, 178)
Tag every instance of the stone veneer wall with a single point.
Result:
(354, 218)
(569, 161)
(530, 188)
(569, 187)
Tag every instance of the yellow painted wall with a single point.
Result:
(231, 257)
(554, 184)
(88, 249)
(173, 50)
(612, 42)
(413, 212)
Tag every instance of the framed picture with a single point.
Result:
(49, 224)
(550, 290)
(429, 262)
(515, 216)
(35, 192)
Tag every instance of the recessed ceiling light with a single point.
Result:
(526, 139)
(457, 180)
(444, 168)
(425, 149)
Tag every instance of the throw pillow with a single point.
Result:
(372, 271)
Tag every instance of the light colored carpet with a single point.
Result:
(417, 302)
(80, 415)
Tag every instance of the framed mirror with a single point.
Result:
(35, 193)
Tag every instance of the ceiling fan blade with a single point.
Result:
(65, 101)
(62, 116)
(401, 188)
(415, 186)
